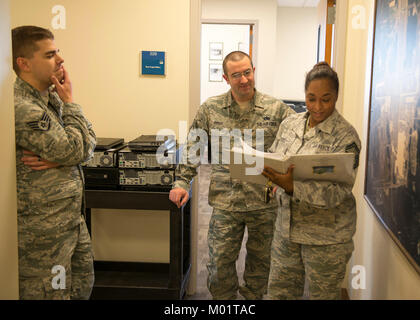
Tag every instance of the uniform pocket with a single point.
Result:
(305, 214)
(41, 289)
(42, 196)
(44, 210)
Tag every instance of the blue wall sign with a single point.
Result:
(153, 62)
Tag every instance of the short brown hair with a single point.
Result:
(24, 40)
(235, 56)
(322, 70)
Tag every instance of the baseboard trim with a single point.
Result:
(344, 294)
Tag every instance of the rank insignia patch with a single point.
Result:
(352, 148)
(40, 125)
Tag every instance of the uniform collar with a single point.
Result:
(23, 85)
(256, 101)
(326, 126)
(26, 87)
(329, 124)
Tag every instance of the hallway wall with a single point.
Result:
(389, 275)
(8, 218)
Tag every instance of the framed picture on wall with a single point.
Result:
(216, 51)
(215, 72)
(392, 181)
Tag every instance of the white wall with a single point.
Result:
(229, 36)
(389, 275)
(322, 21)
(8, 218)
(340, 35)
(265, 12)
(286, 41)
(297, 40)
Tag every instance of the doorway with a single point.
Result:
(217, 41)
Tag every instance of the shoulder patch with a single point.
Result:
(353, 148)
(41, 125)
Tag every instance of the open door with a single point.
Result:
(329, 43)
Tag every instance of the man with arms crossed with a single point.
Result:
(52, 139)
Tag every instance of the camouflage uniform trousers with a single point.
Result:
(323, 265)
(225, 235)
(38, 255)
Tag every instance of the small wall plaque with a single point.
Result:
(153, 62)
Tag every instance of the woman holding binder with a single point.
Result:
(316, 219)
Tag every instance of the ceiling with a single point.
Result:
(298, 3)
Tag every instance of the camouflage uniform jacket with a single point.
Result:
(57, 132)
(222, 112)
(319, 212)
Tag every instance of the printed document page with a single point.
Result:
(246, 164)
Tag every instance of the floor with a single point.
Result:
(204, 214)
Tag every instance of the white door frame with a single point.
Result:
(339, 46)
(192, 286)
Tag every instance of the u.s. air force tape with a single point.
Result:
(41, 125)
(353, 148)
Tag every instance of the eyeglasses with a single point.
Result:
(238, 75)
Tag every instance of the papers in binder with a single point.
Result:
(246, 164)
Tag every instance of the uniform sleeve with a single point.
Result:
(282, 128)
(325, 194)
(187, 168)
(68, 143)
(287, 111)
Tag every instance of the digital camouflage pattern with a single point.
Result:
(236, 204)
(325, 268)
(51, 229)
(225, 235)
(222, 112)
(320, 212)
(320, 218)
(71, 249)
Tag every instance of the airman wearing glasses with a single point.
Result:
(236, 204)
